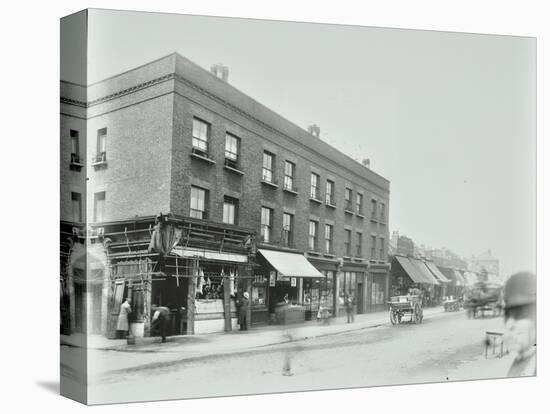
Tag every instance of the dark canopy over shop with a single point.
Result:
(437, 273)
(414, 272)
(290, 264)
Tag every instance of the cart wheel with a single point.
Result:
(394, 319)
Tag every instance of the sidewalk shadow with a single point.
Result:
(51, 386)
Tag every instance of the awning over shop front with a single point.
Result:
(209, 254)
(290, 264)
(425, 271)
(437, 273)
(412, 271)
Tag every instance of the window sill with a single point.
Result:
(235, 170)
(331, 255)
(290, 190)
(330, 205)
(358, 259)
(383, 222)
(360, 215)
(99, 164)
(350, 212)
(374, 219)
(314, 253)
(315, 200)
(270, 184)
(203, 158)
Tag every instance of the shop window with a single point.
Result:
(266, 224)
(199, 201)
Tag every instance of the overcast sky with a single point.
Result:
(448, 118)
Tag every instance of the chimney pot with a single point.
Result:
(220, 71)
(314, 130)
(366, 162)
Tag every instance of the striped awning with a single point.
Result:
(416, 275)
(437, 273)
(425, 271)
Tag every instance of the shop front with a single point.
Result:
(378, 285)
(290, 281)
(408, 272)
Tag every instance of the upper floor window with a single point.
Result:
(359, 203)
(373, 247)
(232, 147)
(347, 199)
(359, 244)
(99, 206)
(382, 212)
(290, 170)
(314, 188)
(75, 146)
(347, 242)
(199, 202)
(329, 195)
(328, 238)
(312, 236)
(230, 210)
(288, 224)
(101, 147)
(267, 168)
(381, 248)
(76, 204)
(201, 134)
(373, 205)
(266, 224)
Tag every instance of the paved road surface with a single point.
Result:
(445, 348)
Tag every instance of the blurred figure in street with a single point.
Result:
(123, 325)
(243, 304)
(520, 323)
(349, 307)
(161, 317)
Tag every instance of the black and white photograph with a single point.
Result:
(255, 206)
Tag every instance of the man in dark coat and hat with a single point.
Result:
(520, 323)
(243, 304)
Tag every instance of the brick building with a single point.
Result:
(243, 192)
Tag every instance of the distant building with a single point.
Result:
(446, 258)
(401, 245)
(485, 263)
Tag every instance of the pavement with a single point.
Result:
(183, 347)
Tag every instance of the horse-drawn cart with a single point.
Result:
(406, 308)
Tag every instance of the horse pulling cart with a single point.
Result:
(406, 308)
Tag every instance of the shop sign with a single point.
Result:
(293, 282)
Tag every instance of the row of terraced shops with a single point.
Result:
(199, 270)
(435, 281)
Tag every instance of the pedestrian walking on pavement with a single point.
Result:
(123, 325)
(520, 331)
(161, 316)
(243, 304)
(349, 307)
